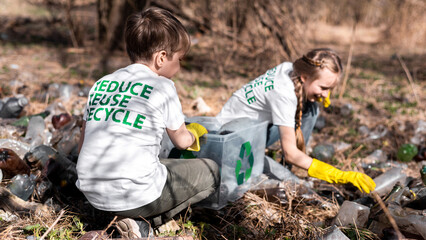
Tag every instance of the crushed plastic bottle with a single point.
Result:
(346, 109)
(379, 132)
(13, 107)
(334, 233)
(11, 164)
(352, 213)
(406, 152)
(35, 132)
(22, 185)
(323, 152)
(60, 120)
(386, 181)
(24, 120)
(44, 190)
(419, 133)
(363, 130)
(378, 156)
(62, 173)
(20, 148)
(37, 157)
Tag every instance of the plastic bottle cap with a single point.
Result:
(22, 102)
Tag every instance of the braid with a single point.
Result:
(298, 89)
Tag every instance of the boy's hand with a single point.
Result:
(325, 101)
(331, 174)
(197, 130)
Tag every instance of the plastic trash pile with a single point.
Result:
(38, 155)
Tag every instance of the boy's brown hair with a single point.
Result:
(154, 30)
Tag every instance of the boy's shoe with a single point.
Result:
(131, 228)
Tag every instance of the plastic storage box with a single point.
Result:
(239, 152)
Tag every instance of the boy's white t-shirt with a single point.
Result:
(127, 112)
(270, 97)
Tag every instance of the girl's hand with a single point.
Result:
(331, 174)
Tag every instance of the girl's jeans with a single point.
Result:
(309, 117)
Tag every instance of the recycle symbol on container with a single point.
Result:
(243, 175)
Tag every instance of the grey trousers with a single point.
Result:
(188, 182)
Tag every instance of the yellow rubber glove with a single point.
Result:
(326, 172)
(197, 130)
(325, 101)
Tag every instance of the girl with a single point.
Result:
(286, 96)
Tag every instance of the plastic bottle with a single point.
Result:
(11, 164)
(60, 120)
(406, 152)
(13, 107)
(23, 185)
(24, 120)
(323, 152)
(423, 174)
(37, 157)
(386, 181)
(37, 133)
(352, 213)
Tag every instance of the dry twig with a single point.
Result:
(410, 79)
(54, 223)
(388, 215)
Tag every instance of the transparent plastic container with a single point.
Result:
(239, 154)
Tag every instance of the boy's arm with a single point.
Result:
(82, 130)
(181, 138)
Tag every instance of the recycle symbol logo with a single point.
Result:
(242, 175)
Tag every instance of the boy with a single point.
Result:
(126, 114)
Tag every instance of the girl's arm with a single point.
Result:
(320, 169)
(181, 138)
(291, 153)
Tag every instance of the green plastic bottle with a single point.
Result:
(24, 120)
(406, 152)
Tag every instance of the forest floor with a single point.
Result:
(378, 90)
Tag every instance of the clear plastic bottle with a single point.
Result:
(13, 107)
(23, 185)
(386, 181)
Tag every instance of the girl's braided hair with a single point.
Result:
(309, 66)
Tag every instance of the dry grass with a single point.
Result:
(55, 225)
(270, 217)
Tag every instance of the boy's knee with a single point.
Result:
(214, 169)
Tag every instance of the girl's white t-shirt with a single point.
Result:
(270, 97)
(126, 115)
